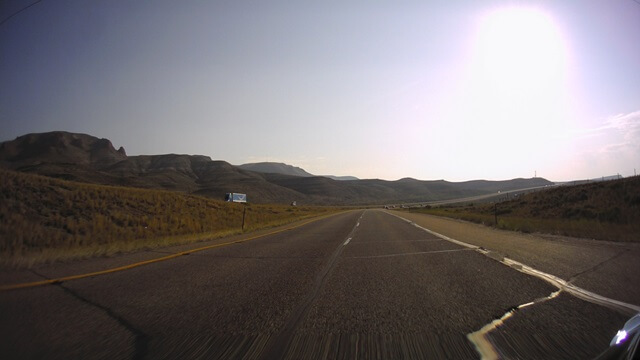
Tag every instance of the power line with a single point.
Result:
(19, 11)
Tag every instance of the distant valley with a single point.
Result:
(85, 158)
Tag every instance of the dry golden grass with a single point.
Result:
(606, 211)
(44, 219)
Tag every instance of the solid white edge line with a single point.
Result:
(574, 290)
(445, 237)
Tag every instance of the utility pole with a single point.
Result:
(495, 212)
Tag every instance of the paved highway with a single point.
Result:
(358, 285)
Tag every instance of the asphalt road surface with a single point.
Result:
(358, 285)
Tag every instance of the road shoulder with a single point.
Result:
(606, 268)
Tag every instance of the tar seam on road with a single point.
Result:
(593, 268)
(141, 340)
(146, 262)
(479, 338)
(398, 241)
(407, 254)
(278, 346)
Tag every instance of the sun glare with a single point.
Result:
(518, 72)
(515, 91)
(520, 49)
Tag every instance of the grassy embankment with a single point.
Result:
(607, 210)
(44, 219)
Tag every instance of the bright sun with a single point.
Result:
(519, 49)
(515, 90)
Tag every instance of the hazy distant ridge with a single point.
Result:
(85, 158)
(276, 168)
(340, 178)
(285, 169)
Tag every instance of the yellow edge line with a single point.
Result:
(146, 262)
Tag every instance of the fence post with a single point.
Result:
(244, 213)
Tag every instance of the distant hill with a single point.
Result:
(285, 169)
(340, 178)
(275, 168)
(84, 158)
(375, 191)
(587, 181)
(59, 147)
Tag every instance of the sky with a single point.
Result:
(449, 89)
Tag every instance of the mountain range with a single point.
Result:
(85, 158)
(285, 169)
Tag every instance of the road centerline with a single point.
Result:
(280, 343)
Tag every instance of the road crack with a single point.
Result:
(484, 346)
(408, 254)
(141, 342)
(597, 266)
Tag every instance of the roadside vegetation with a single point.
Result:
(44, 219)
(608, 210)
